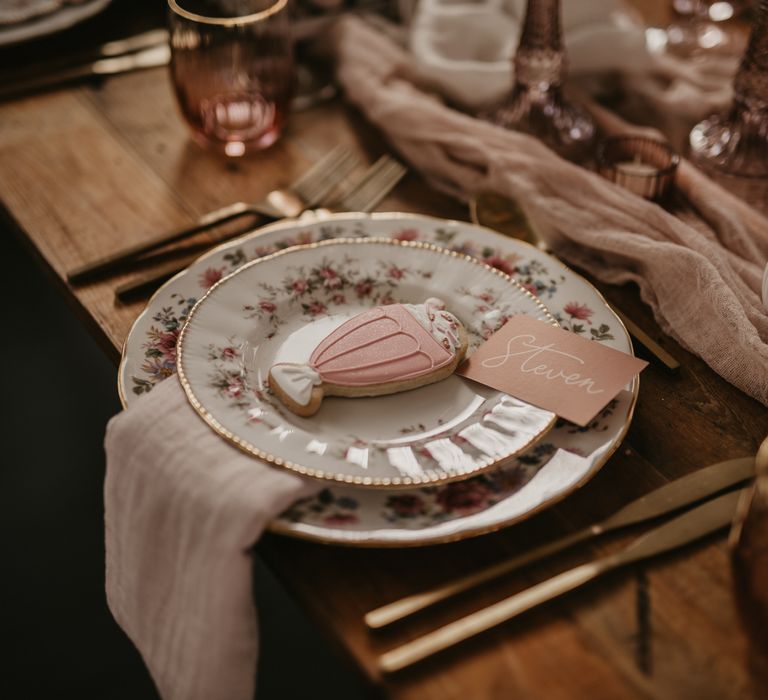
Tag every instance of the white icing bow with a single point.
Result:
(296, 380)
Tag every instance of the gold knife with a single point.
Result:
(666, 499)
(151, 57)
(145, 40)
(693, 525)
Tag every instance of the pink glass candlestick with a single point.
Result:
(536, 104)
(736, 143)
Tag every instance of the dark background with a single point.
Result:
(57, 392)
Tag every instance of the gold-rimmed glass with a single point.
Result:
(232, 70)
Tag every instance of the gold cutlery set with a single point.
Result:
(713, 485)
(310, 190)
(146, 50)
(362, 196)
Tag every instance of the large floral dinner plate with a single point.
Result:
(43, 17)
(276, 310)
(566, 458)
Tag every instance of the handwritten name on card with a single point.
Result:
(551, 368)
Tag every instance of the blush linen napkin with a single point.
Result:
(182, 510)
(702, 280)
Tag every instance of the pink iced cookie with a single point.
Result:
(380, 351)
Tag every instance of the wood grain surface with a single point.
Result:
(86, 169)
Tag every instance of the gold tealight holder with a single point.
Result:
(641, 165)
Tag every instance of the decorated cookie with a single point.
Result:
(380, 351)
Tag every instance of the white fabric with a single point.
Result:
(182, 510)
(465, 49)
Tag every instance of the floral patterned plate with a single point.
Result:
(279, 308)
(50, 17)
(565, 459)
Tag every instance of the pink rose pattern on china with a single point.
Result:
(430, 505)
(328, 284)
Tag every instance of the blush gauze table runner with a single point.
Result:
(183, 509)
(702, 282)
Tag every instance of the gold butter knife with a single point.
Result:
(145, 40)
(150, 57)
(672, 496)
(693, 525)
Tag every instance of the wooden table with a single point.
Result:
(83, 170)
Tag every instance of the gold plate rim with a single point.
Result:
(439, 476)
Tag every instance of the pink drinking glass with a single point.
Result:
(232, 70)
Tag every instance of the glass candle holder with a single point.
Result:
(232, 72)
(641, 165)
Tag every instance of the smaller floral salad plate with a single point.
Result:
(311, 312)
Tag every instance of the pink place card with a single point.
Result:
(553, 369)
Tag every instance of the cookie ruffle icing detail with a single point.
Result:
(440, 323)
(383, 345)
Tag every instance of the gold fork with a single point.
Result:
(376, 184)
(308, 191)
(362, 196)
